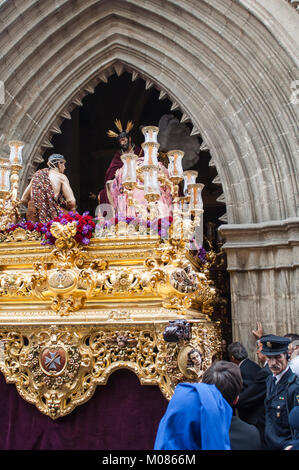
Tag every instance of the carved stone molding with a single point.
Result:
(268, 245)
(263, 261)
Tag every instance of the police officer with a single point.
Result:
(282, 393)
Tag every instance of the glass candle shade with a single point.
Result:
(150, 150)
(175, 168)
(129, 169)
(150, 133)
(15, 157)
(4, 175)
(196, 202)
(151, 183)
(189, 178)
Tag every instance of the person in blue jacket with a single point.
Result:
(197, 418)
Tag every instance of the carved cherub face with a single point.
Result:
(195, 357)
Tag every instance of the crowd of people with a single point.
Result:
(239, 404)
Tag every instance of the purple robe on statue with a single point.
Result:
(115, 164)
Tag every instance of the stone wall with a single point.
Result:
(263, 261)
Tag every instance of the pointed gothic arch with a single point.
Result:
(229, 66)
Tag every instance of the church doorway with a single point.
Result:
(88, 150)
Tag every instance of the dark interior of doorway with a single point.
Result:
(88, 149)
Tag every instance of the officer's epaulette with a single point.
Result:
(293, 378)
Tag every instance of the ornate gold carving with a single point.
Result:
(190, 362)
(124, 280)
(68, 283)
(115, 315)
(177, 282)
(172, 358)
(130, 299)
(117, 294)
(46, 366)
(57, 368)
(15, 284)
(9, 212)
(20, 234)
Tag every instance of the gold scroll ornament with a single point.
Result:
(68, 283)
(57, 368)
(68, 278)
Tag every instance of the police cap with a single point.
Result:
(273, 345)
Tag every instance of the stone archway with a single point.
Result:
(229, 66)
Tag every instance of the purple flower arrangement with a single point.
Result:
(84, 222)
(86, 227)
(161, 226)
(201, 254)
(26, 225)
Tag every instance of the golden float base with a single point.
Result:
(70, 316)
(87, 355)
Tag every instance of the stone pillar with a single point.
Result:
(263, 262)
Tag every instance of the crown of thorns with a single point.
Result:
(119, 126)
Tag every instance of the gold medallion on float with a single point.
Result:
(62, 280)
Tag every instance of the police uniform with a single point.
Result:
(294, 422)
(280, 398)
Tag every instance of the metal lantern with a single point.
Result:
(15, 157)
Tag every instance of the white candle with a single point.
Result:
(150, 133)
(189, 178)
(129, 169)
(150, 150)
(16, 147)
(196, 197)
(175, 168)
